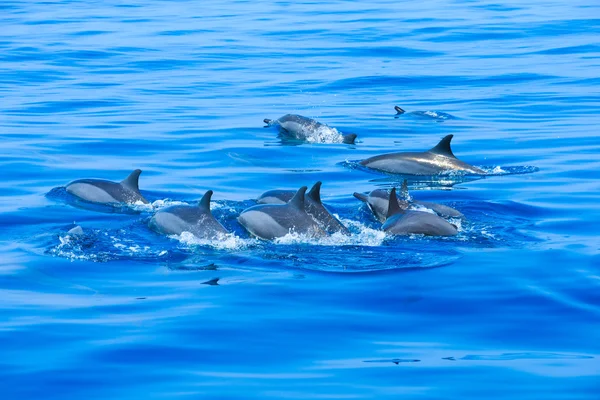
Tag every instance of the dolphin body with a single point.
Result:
(432, 162)
(303, 128)
(108, 192)
(436, 115)
(378, 201)
(400, 222)
(198, 220)
(314, 206)
(270, 221)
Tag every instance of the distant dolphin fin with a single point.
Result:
(298, 199)
(399, 110)
(315, 192)
(205, 200)
(349, 138)
(268, 121)
(393, 207)
(404, 190)
(443, 147)
(361, 197)
(132, 181)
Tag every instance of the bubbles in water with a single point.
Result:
(323, 134)
(222, 242)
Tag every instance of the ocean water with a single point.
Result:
(508, 308)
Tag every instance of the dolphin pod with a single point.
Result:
(281, 212)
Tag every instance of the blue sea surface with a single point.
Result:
(509, 308)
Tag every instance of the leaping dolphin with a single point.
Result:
(198, 220)
(270, 221)
(378, 201)
(432, 162)
(314, 206)
(303, 128)
(108, 192)
(400, 222)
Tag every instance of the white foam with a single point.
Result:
(324, 134)
(227, 241)
(360, 236)
(156, 205)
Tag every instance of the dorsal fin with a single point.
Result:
(393, 207)
(205, 200)
(315, 192)
(268, 121)
(399, 110)
(298, 199)
(404, 193)
(349, 138)
(443, 147)
(131, 182)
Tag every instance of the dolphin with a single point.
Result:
(314, 206)
(303, 128)
(270, 221)
(436, 115)
(401, 222)
(197, 219)
(76, 231)
(435, 161)
(107, 192)
(378, 201)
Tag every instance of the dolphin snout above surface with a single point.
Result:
(437, 160)
(402, 222)
(302, 128)
(107, 192)
(197, 219)
(271, 221)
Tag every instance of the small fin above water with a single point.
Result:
(205, 200)
(362, 197)
(212, 282)
(443, 147)
(298, 199)
(132, 181)
(349, 138)
(76, 231)
(393, 207)
(315, 192)
(399, 110)
(404, 190)
(268, 121)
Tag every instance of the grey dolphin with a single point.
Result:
(198, 220)
(108, 192)
(437, 160)
(270, 221)
(378, 201)
(303, 128)
(314, 206)
(400, 222)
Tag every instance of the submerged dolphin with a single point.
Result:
(378, 201)
(198, 220)
(270, 221)
(400, 222)
(303, 128)
(108, 192)
(314, 206)
(435, 115)
(437, 160)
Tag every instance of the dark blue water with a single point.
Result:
(508, 308)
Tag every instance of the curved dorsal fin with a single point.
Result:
(205, 200)
(315, 192)
(298, 199)
(443, 147)
(393, 207)
(131, 182)
(404, 190)
(399, 110)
